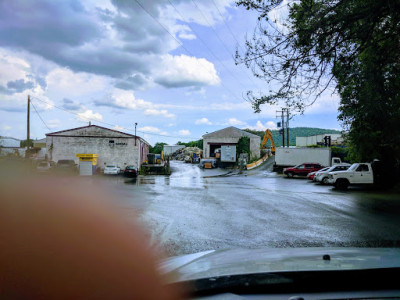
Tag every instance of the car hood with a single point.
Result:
(212, 263)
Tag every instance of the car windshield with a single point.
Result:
(353, 167)
(204, 107)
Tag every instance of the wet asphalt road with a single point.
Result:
(192, 211)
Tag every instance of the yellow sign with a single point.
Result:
(88, 157)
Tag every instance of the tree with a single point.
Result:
(24, 143)
(348, 45)
(158, 147)
(243, 145)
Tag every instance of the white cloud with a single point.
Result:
(185, 71)
(119, 128)
(262, 127)
(184, 132)
(156, 112)
(89, 115)
(149, 129)
(152, 129)
(235, 122)
(53, 123)
(69, 84)
(203, 121)
(126, 99)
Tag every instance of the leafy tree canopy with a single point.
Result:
(349, 45)
(158, 147)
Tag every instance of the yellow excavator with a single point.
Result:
(268, 136)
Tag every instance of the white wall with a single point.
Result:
(254, 144)
(302, 141)
(61, 147)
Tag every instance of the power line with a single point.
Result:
(205, 44)
(230, 31)
(39, 115)
(109, 124)
(180, 43)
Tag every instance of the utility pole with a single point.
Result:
(283, 128)
(28, 124)
(282, 131)
(287, 126)
(135, 133)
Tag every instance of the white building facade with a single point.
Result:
(303, 141)
(230, 136)
(112, 147)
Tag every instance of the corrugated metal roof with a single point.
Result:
(230, 132)
(9, 142)
(70, 132)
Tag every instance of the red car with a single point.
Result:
(302, 170)
(311, 175)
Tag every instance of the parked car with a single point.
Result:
(311, 176)
(112, 170)
(322, 175)
(130, 171)
(66, 166)
(44, 167)
(302, 170)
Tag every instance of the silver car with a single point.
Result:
(322, 176)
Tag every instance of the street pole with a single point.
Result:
(135, 133)
(287, 126)
(28, 123)
(283, 128)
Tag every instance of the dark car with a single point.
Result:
(130, 171)
(302, 170)
(66, 166)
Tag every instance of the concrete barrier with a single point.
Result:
(257, 163)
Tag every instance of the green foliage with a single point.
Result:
(24, 143)
(350, 45)
(158, 147)
(198, 144)
(243, 145)
(340, 152)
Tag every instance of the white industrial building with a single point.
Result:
(303, 141)
(229, 136)
(9, 145)
(170, 149)
(111, 146)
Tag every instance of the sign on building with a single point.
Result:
(228, 153)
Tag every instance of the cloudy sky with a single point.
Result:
(164, 64)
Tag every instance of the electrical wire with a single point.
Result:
(205, 44)
(39, 115)
(109, 124)
(180, 43)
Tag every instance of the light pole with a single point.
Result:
(135, 133)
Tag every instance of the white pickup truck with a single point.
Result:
(359, 173)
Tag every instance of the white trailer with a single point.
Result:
(289, 157)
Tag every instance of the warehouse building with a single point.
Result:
(110, 146)
(170, 149)
(303, 141)
(229, 136)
